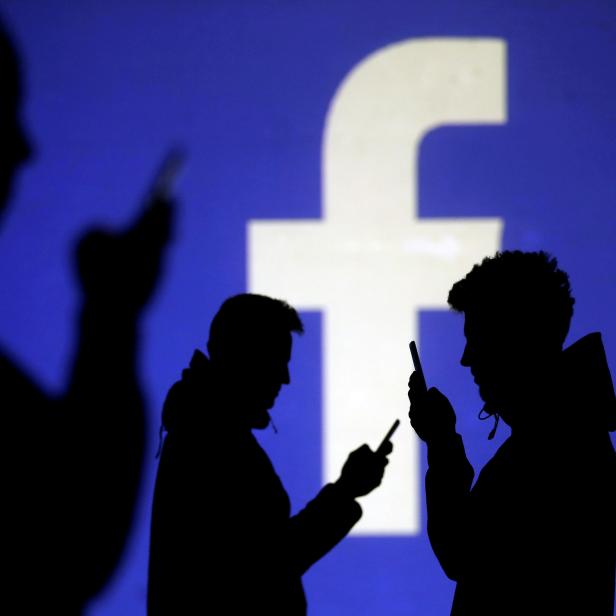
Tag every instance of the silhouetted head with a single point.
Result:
(14, 147)
(517, 308)
(250, 348)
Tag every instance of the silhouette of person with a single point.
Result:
(71, 463)
(222, 538)
(535, 533)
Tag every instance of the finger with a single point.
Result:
(414, 416)
(374, 479)
(362, 449)
(386, 448)
(415, 391)
(380, 464)
(413, 379)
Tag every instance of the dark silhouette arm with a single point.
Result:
(103, 436)
(103, 417)
(76, 460)
(448, 483)
(328, 518)
(449, 477)
(321, 525)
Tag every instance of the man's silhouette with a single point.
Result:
(71, 463)
(223, 540)
(535, 534)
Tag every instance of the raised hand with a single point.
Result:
(431, 414)
(363, 470)
(122, 269)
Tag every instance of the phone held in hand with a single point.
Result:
(417, 365)
(388, 436)
(166, 175)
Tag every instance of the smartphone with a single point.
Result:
(389, 434)
(417, 365)
(165, 176)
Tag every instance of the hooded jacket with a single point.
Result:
(536, 533)
(222, 537)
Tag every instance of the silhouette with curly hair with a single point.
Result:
(535, 533)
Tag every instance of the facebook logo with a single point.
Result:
(352, 158)
(371, 263)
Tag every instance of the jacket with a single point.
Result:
(222, 534)
(536, 533)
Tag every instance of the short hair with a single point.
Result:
(248, 317)
(528, 285)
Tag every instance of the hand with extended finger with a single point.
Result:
(122, 268)
(363, 470)
(431, 414)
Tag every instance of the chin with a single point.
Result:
(496, 406)
(484, 394)
(491, 405)
(260, 420)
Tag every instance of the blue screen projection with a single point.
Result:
(355, 158)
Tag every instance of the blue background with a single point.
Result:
(246, 86)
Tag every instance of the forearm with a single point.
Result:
(448, 483)
(103, 407)
(103, 438)
(321, 525)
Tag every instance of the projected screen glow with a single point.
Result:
(351, 158)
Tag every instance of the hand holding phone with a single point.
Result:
(421, 379)
(144, 242)
(166, 175)
(154, 223)
(431, 414)
(382, 447)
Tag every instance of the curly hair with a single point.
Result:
(527, 285)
